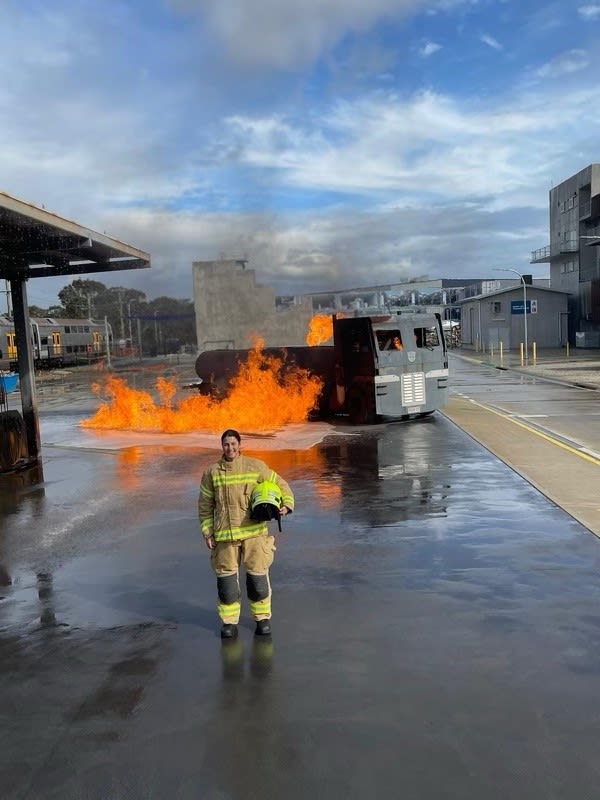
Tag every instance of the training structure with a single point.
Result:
(393, 365)
(35, 243)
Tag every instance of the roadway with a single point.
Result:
(544, 427)
(435, 625)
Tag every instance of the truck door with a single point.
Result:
(356, 366)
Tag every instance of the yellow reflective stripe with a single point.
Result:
(260, 606)
(229, 609)
(228, 479)
(240, 533)
(206, 524)
(206, 492)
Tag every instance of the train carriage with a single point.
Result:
(55, 342)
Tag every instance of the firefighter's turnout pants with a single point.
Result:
(256, 555)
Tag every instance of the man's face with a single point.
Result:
(231, 448)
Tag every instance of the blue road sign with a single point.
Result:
(516, 306)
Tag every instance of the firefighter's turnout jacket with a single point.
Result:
(224, 499)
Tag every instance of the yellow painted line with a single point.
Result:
(552, 440)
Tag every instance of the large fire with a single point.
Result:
(263, 396)
(320, 329)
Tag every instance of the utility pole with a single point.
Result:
(107, 335)
(139, 328)
(7, 292)
(129, 302)
(121, 320)
(522, 278)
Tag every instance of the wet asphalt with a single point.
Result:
(436, 628)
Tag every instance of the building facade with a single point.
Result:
(489, 320)
(574, 252)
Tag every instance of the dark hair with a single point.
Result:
(230, 432)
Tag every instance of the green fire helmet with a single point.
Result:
(265, 501)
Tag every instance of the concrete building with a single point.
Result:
(232, 308)
(574, 252)
(497, 317)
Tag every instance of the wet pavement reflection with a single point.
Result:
(435, 630)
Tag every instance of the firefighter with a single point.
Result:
(234, 537)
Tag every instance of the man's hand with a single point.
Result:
(283, 511)
(210, 542)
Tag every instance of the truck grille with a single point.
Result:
(413, 389)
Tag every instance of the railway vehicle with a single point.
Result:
(55, 342)
(393, 366)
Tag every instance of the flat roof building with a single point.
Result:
(574, 252)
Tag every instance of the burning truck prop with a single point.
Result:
(386, 366)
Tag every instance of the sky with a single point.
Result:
(332, 143)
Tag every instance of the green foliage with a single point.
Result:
(162, 324)
(38, 311)
(78, 297)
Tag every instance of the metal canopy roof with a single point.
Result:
(34, 243)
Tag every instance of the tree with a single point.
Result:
(164, 324)
(37, 311)
(78, 298)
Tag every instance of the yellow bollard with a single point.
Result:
(501, 352)
(521, 353)
(567, 349)
(491, 351)
(534, 354)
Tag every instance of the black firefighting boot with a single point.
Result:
(263, 627)
(229, 631)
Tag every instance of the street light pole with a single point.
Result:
(507, 269)
(129, 302)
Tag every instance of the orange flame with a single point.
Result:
(320, 329)
(265, 394)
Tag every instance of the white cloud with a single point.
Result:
(491, 42)
(453, 181)
(564, 64)
(429, 143)
(288, 34)
(429, 49)
(589, 11)
(161, 152)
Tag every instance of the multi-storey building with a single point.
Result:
(574, 252)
